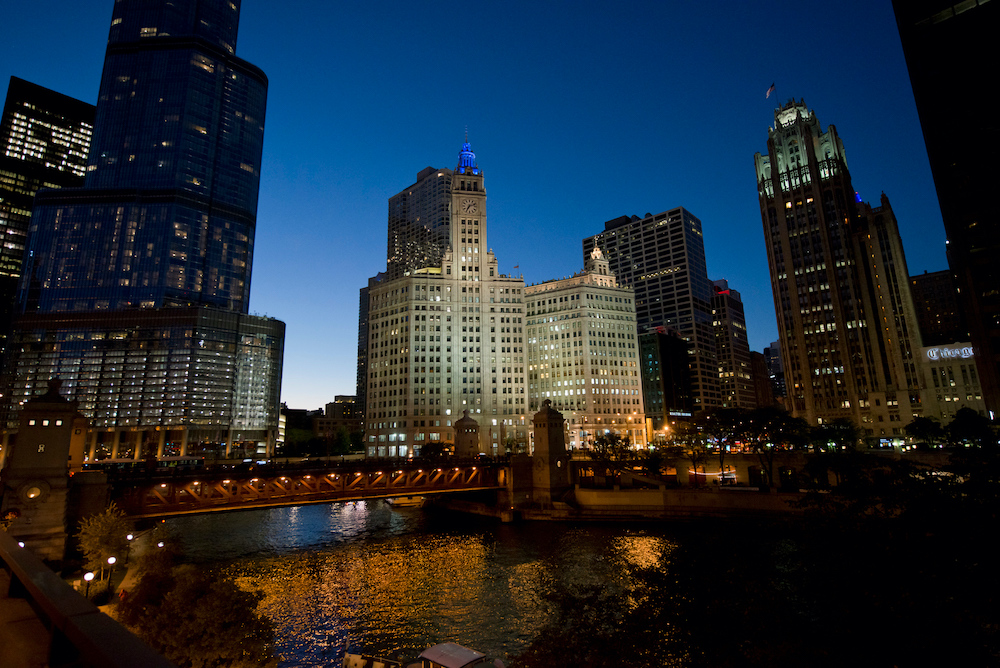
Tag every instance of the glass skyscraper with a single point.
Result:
(44, 141)
(136, 286)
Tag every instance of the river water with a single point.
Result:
(395, 581)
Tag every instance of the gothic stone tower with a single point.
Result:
(550, 462)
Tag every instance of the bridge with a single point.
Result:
(144, 496)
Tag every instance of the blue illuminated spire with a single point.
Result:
(467, 159)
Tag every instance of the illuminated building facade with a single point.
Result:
(662, 258)
(583, 354)
(848, 330)
(136, 285)
(951, 380)
(447, 336)
(733, 348)
(44, 141)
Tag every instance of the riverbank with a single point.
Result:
(662, 503)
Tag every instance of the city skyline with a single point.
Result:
(576, 118)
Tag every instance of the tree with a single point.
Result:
(611, 450)
(687, 441)
(970, 427)
(433, 449)
(841, 434)
(724, 427)
(926, 430)
(102, 536)
(197, 619)
(770, 428)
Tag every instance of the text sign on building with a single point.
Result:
(954, 352)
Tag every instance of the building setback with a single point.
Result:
(848, 331)
(662, 257)
(583, 354)
(733, 348)
(44, 141)
(136, 286)
(446, 335)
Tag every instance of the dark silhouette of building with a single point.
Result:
(937, 304)
(666, 377)
(732, 348)
(662, 257)
(775, 371)
(763, 389)
(136, 285)
(948, 48)
(849, 336)
(45, 137)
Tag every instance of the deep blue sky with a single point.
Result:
(579, 112)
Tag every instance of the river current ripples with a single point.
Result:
(392, 581)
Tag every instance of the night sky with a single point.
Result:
(579, 112)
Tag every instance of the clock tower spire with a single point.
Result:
(468, 216)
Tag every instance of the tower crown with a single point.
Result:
(467, 160)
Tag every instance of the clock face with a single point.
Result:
(468, 205)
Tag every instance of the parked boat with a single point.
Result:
(405, 501)
(445, 655)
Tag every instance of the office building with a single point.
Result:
(44, 142)
(948, 48)
(666, 380)
(446, 335)
(938, 307)
(848, 331)
(732, 348)
(776, 371)
(136, 285)
(762, 387)
(583, 354)
(951, 380)
(662, 258)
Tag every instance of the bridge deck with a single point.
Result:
(210, 492)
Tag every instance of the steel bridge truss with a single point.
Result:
(182, 497)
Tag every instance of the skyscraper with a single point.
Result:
(848, 331)
(583, 354)
(446, 334)
(136, 286)
(733, 348)
(662, 258)
(944, 43)
(44, 141)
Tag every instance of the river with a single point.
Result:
(395, 581)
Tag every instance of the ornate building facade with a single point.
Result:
(847, 325)
(446, 335)
(583, 354)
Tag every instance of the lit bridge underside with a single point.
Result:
(156, 498)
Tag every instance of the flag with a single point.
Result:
(769, 91)
(516, 266)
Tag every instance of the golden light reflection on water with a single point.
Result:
(397, 582)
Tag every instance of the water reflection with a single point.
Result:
(396, 581)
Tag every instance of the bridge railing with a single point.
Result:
(76, 632)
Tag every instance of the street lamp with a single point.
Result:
(111, 567)
(128, 547)
(88, 576)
